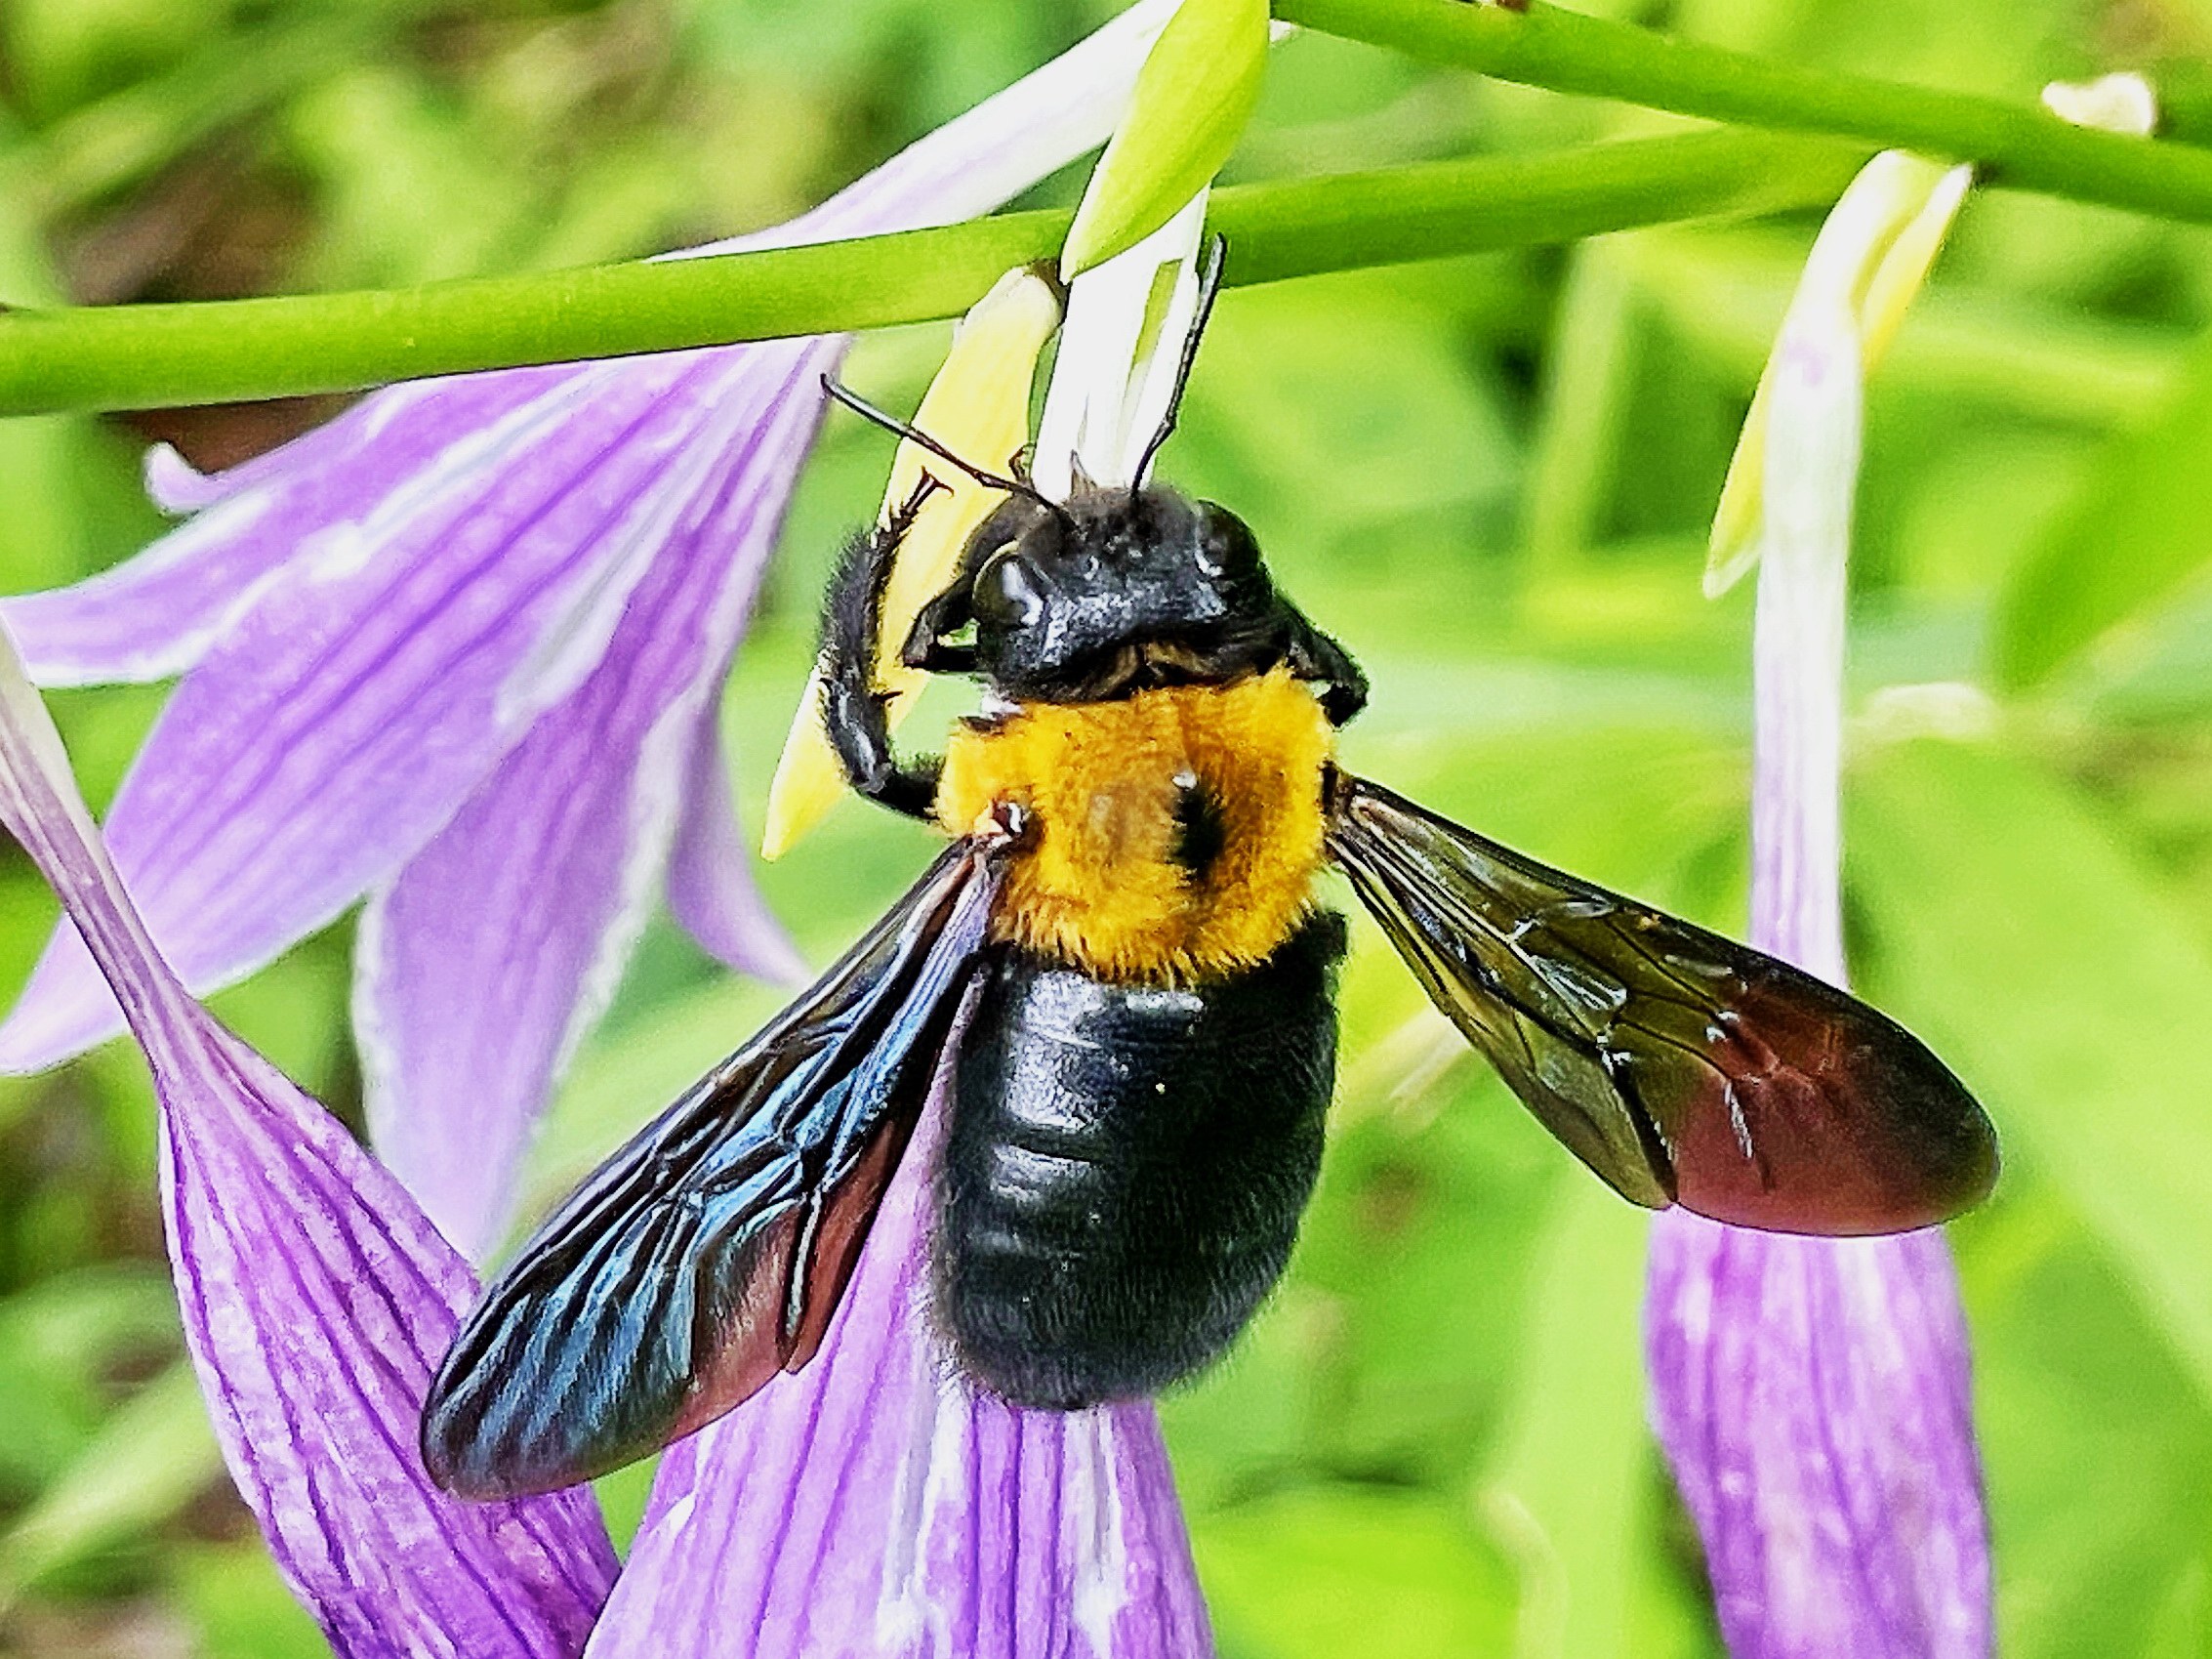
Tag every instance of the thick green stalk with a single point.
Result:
(150, 356)
(2017, 145)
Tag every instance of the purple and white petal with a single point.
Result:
(500, 942)
(92, 633)
(154, 616)
(316, 1298)
(318, 1301)
(1797, 643)
(157, 614)
(878, 1506)
(338, 726)
(711, 890)
(1814, 1396)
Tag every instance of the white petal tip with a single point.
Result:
(1725, 566)
(174, 483)
(2113, 104)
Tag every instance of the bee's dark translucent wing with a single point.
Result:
(709, 1253)
(1680, 1067)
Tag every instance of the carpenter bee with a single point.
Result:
(1122, 945)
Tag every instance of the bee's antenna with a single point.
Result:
(1020, 486)
(1209, 288)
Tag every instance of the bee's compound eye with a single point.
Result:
(1008, 593)
(1226, 548)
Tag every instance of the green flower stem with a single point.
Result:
(2017, 145)
(152, 357)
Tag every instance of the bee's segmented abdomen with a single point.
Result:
(1126, 1166)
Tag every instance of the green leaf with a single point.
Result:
(1193, 98)
(1320, 1572)
(239, 1605)
(1361, 392)
(150, 1458)
(1419, 1245)
(60, 1341)
(1588, 380)
(2138, 530)
(2047, 966)
(2098, 1442)
(1570, 1494)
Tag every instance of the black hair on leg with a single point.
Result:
(854, 710)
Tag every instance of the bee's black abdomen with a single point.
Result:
(1127, 1168)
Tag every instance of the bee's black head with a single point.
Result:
(1118, 590)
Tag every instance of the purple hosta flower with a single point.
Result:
(458, 653)
(1813, 1394)
(316, 1296)
(874, 1504)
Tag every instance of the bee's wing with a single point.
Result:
(709, 1252)
(1680, 1067)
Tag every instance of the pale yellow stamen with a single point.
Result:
(1872, 257)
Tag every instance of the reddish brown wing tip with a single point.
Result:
(1822, 1116)
(751, 1347)
(846, 1219)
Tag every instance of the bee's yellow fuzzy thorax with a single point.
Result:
(1096, 881)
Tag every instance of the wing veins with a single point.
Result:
(643, 1288)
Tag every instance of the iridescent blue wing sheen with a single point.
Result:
(709, 1253)
(1679, 1065)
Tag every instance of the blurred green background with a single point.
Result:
(1491, 478)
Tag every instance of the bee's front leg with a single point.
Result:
(856, 710)
(1313, 655)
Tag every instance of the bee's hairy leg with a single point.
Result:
(1313, 655)
(856, 710)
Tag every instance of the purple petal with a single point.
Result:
(154, 616)
(317, 1302)
(1798, 643)
(341, 469)
(175, 485)
(159, 613)
(1814, 1398)
(500, 942)
(877, 1503)
(711, 890)
(157, 616)
(339, 726)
